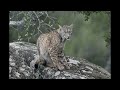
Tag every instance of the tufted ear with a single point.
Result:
(71, 26)
(60, 26)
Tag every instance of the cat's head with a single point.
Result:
(65, 31)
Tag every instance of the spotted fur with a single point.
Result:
(50, 46)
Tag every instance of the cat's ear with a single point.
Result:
(60, 26)
(71, 26)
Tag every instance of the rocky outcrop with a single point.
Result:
(22, 53)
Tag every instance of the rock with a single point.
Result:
(22, 53)
(57, 73)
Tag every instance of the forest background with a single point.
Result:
(91, 37)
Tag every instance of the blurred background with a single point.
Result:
(91, 37)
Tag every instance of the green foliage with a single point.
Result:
(91, 32)
(107, 37)
(88, 39)
(35, 23)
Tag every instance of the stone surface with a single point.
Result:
(22, 53)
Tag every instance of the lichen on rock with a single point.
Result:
(22, 53)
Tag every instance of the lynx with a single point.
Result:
(50, 47)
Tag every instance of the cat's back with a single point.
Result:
(49, 39)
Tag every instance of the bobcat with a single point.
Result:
(50, 47)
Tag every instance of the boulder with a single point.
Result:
(22, 53)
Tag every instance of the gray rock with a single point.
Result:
(22, 53)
